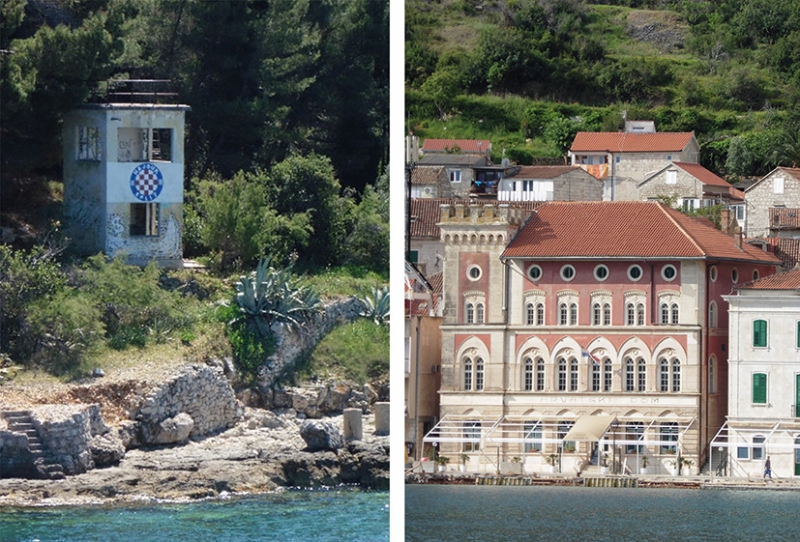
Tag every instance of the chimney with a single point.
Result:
(737, 237)
(725, 221)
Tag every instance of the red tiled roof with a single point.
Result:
(705, 176)
(466, 145)
(625, 142)
(788, 250)
(436, 281)
(785, 281)
(623, 229)
(426, 175)
(426, 213)
(783, 218)
(541, 172)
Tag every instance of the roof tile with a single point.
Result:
(784, 281)
(624, 229)
(626, 142)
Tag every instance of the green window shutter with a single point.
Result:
(760, 388)
(760, 333)
(798, 334)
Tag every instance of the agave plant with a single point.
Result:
(376, 306)
(274, 296)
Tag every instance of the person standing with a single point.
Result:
(768, 468)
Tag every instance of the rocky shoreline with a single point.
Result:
(263, 452)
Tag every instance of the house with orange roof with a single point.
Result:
(457, 146)
(763, 380)
(584, 336)
(691, 185)
(780, 188)
(623, 159)
(549, 183)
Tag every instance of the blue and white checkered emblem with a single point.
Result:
(146, 182)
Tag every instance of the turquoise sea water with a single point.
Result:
(489, 513)
(323, 516)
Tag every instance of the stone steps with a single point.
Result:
(21, 422)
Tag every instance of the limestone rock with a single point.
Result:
(321, 435)
(107, 449)
(174, 430)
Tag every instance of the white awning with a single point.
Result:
(589, 428)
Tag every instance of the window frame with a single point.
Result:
(761, 388)
(567, 273)
(534, 270)
(762, 334)
(601, 269)
(664, 272)
(635, 268)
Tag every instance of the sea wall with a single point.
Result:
(293, 346)
(195, 402)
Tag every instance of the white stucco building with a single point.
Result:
(764, 379)
(123, 180)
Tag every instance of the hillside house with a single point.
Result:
(777, 189)
(456, 173)
(623, 160)
(692, 186)
(123, 180)
(584, 330)
(764, 380)
(550, 183)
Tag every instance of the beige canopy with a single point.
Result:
(589, 428)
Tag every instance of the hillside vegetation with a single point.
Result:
(528, 74)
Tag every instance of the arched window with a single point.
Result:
(597, 314)
(573, 375)
(676, 375)
(641, 375)
(675, 311)
(540, 314)
(630, 310)
(533, 437)
(479, 374)
(530, 314)
(573, 314)
(640, 314)
(629, 375)
(712, 375)
(712, 314)
(634, 432)
(540, 374)
(479, 315)
(595, 368)
(608, 375)
(663, 371)
(669, 433)
(472, 436)
(562, 374)
(562, 311)
(468, 374)
(607, 314)
(470, 313)
(528, 374)
(664, 313)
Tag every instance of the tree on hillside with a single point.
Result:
(787, 149)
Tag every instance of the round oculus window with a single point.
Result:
(713, 274)
(735, 276)
(669, 272)
(601, 272)
(635, 272)
(567, 273)
(534, 273)
(474, 272)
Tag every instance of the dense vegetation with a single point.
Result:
(286, 157)
(528, 74)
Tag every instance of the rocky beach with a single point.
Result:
(186, 435)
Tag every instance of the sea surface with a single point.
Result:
(323, 516)
(436, 513)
